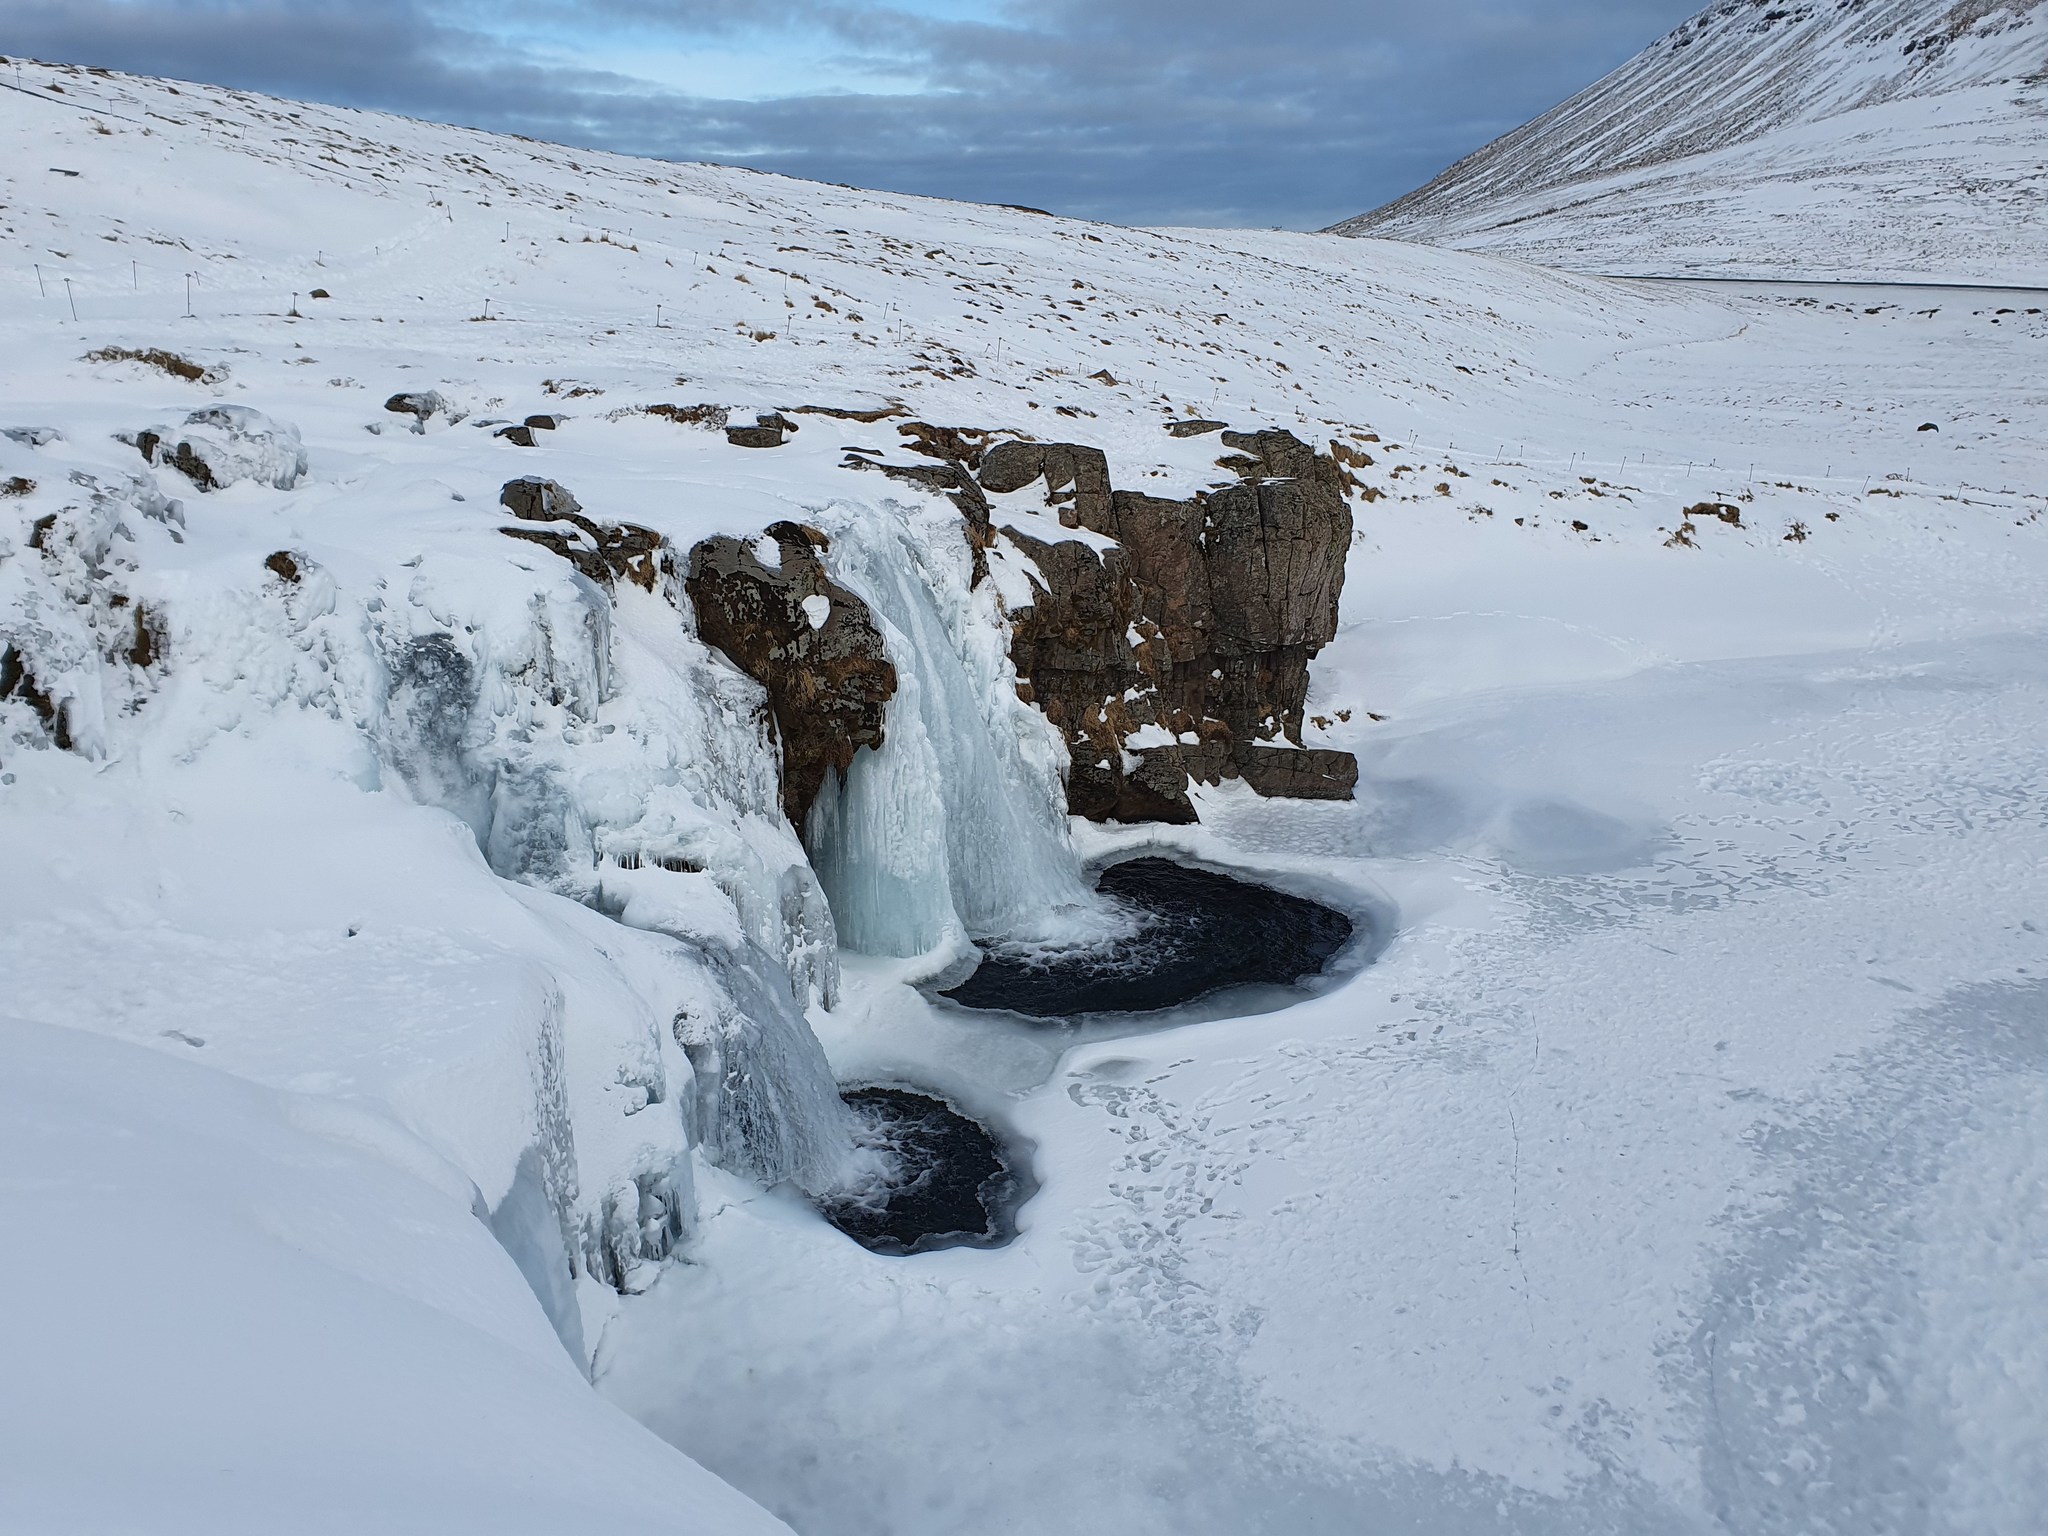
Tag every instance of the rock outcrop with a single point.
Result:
(1182, 653)
(769, 431)
(605, 552)
(811, 643)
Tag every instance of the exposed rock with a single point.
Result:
(146, 647)
(811, 643)
(605, 552)
(1197, 628)
(1075, 664)
(544, 423)
(1195, 428)
(844, 413)
(163, 361)
(710, 417)
(1299, 773)
(960, 454)
(18, 682)
(956, 445)
(1723, 511)
(422, 406)
(1076, 478)
(519, 434)
(769, 431)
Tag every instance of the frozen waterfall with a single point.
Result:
(955, 829)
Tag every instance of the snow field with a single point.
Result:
(1694, 1084)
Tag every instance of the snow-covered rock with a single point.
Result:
(218, 445)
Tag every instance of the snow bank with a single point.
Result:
(230, 1306)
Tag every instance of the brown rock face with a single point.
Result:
(1076, 478)
(1203, 620)
(811, 643)
(602, 551)
(769, 431)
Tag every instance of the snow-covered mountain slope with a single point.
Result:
(1684, 1140)
(1904, 140)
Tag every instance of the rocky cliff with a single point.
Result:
(1171, 646)
(769, 606)
(1182, 652)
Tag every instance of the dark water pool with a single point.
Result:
(1197, 932)
(945, 1182)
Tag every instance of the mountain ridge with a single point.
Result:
(1883, 139)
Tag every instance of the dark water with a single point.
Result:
(952, 1185)
(1198, 932)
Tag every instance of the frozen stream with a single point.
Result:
(928, 1176)
(1653, 1189)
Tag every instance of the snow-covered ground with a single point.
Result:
(1901, 139)
(1677, 1166)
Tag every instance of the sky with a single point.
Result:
(1293, 113)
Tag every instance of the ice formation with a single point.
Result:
(955, 830)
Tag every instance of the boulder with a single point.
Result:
(422, 406)
(769, 431)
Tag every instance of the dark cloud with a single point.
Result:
(1296, 112)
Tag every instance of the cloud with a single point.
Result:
(1296, 112)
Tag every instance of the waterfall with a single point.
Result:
(767, 1106)
(955, 830)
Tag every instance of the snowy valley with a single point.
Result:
(529, 673)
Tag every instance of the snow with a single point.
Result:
(395, 938)
(318, 1303)
(233, 442)
(1897, 139)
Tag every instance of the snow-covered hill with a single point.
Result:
(1903, 140)
(377, 884)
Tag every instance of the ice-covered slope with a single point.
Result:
(1696, 689)
(1896, 139)
(289, 1320)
